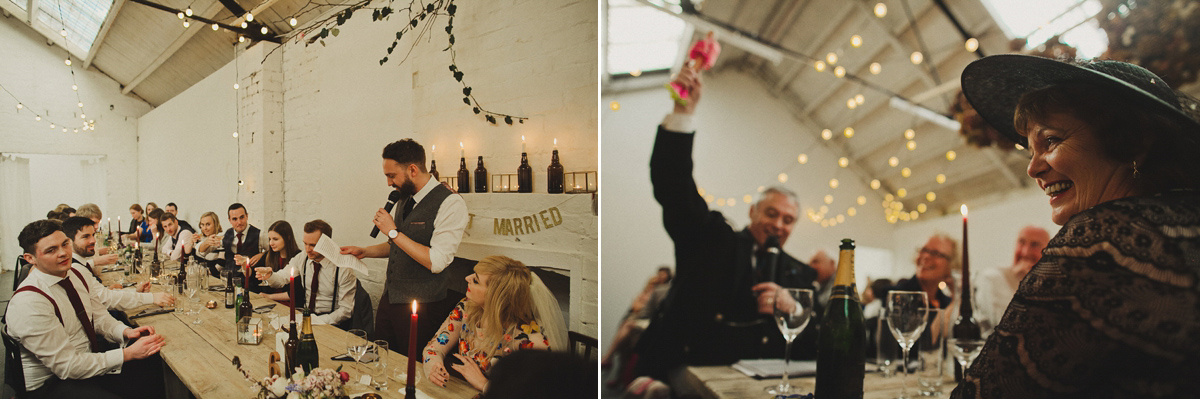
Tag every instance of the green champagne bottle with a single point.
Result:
(306, 354)
(842, 341)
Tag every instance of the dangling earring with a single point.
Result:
(1136, 173)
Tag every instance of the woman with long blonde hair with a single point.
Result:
(507, 308)
(208, 242)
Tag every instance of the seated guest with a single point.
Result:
(154, 221)
(507, 309)
(92, 211)
(59, 348)
(174, 210)
(934, 262)
(542, 375)
(281, 249)
(1112, 309)
(150, 207)
(995, 287)
(83, 245)
(139, 228)
(723, 291)
(242, 240)
(207, 243)
(638, 315)
(56, 215)
(328, 290)
(176, 242)
(826, 267)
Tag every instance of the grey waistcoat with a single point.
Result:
(406, 279)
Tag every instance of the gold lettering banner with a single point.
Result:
(536, 222)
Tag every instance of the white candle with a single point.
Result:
(556, 144)
(462, 151)
(433, 152)
(522, 143)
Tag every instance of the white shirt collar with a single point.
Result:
(44, 279)
(429, 185)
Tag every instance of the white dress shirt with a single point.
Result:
(448, 227)
(173, 248)
(112, 299)
(61, 349)
(347, 285)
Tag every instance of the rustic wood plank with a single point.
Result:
(725, 382)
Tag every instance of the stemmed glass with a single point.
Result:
(966, 350)
(793, 310)
(379, 375)
(356, 345)
(906, 315)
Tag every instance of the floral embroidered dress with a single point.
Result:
(468, 340)
(1111, 311)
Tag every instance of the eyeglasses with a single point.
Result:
(932, 252)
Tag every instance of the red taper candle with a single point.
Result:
(411, 387)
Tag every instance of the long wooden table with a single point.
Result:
(201, 354)
(725, 382)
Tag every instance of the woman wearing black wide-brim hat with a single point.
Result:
(1113, 307)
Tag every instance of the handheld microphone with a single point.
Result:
(391, 203)
(769, 263)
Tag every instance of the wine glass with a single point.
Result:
(906, 313)
(379, 374)
(966, 350)
(356, 345)
(793, 310)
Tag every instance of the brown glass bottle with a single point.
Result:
(481, 179)
(464, 177)
(289, 350)
(554, 175)
(524, 175)
(433, 170)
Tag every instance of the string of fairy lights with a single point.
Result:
(894, 209)
(84, 123)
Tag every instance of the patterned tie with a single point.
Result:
(80, 312)
(312, 296)
(239, 243)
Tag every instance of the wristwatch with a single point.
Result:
(393, 233)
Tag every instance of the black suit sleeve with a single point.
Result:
(685, 213)
(227, 242)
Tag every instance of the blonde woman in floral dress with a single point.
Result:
(503, 292)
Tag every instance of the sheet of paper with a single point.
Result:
(333, 252)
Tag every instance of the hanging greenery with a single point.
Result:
(419, 17)
(1157, 35)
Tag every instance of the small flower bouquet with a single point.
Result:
(319, 384)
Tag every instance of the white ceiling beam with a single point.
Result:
(174, 47)
(108, 21)
(31, 9)
(12, 10)
(837, 20)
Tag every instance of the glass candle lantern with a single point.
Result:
(452, 181)
(582, 182)
(504, 182)
(249, 331)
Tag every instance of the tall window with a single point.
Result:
(1038, 20)
(640, 38)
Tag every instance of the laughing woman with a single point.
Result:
(507, 308)
(1113, 307)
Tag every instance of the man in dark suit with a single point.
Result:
(241, 241)
(718, 310)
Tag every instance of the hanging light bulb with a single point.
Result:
(951, 155)
(215, 27)
(64, 130)
(37, 118)
(264, 30)
(180, 15)
(244, 25)
(893, 161)
(51, 125)
(783, 177)
(880, 10)
(241, 182)
(188, 12)
(67, 61)
(80, 105)
(827, 134)
(831, 58)
(839, 71)
(292, 22)
(850, 103)
(83, 116)
(858, 98)
(843, 162)
(828, 200)
(930, 196)
(63, 32)
(972, 44)
(851, 211)
(916, 57)
(922, 207)
(19, 105)
(906, 172)
(941, 178)
(75, 87)
(235, 135)
(874, 184)
(833, 183)
(803, 159)
(615, 106)
(241, 38)
(887, 199)
(249, 17)
(876, 68)
(819, 66)
(187, 24)
(861, 200)
(909, 134)
(911, 145)
(76, 130)
(747, 198)
(236, 86)
(848, 132)
(856, 41)
(901, 193)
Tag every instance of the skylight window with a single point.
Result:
(641, 38)
(1039, 20)
(82, 19)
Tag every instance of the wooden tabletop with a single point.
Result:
(725, 382)
(201, 354)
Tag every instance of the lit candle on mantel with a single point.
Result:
(411, 385)
(966, 261)
(462, 151)
(522, 143)
(556, 144)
